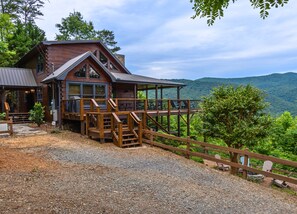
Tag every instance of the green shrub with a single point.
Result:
(2, 116)
(37, 114)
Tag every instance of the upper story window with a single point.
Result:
(103, 59)
(82, 72)
(93, 73)
(40, 64)
(112, 67)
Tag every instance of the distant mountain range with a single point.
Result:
(281, 89)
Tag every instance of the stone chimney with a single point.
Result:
(121, 57)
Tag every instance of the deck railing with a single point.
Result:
(79, 107)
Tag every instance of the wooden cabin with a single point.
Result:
(83, 81)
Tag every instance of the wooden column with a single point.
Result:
(146, 92)
(188, 117)
(178, 115)
(161, 104)
(156, 105)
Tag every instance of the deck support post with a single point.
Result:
(168, 115)
(156, 105)
(178, 114)
(161, 103)
(188, 118)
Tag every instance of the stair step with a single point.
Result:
(94, 130)
(129, 139)
(131, 144)
(128, 135)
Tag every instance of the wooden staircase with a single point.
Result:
(124, 132)
(130, 138)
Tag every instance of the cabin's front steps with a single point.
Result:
(129, 137)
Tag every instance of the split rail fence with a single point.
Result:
(191, 147)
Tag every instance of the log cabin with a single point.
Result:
(84, 82)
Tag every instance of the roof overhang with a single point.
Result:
(144, 82)
(17, 78)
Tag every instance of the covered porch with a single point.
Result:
(19, 90)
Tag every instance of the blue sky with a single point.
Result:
(160, 39)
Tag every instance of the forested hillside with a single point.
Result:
(281, 89)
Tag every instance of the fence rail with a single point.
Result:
(9, 127)
(190, 144)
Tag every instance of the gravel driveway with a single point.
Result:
(88, 177)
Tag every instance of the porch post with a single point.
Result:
(156, 105)
(135, 97)
(178, 113)
(161, 104)
(59, 104)
(146, 92)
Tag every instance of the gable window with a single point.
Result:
(103, 59)
(40, 64)
(93, 73)
(112, 67)
(81, 72)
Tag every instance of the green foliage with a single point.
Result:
(215, 9)
(2, 116)
(284, 133)
(37, 113)
(74, 27)
(7, 29)
(26, 36)
(18, 31)
(25, 11)
(235, 115)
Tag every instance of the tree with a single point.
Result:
(215, 8)
(22, 10)
(284, 133)
(236, 116)
(29, 10)
(10, 7)
(19, 33)
(74, 27)
(7, 29)
(26, 36)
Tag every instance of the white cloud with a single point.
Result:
(161, 40)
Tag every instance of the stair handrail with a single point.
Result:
(94, 107)
(133, 118)
(111, 105)
(116, 123)
(7, 110)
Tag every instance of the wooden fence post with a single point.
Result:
(151, 138)
(188, 147)
(245, 163)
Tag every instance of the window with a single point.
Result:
(87, 90)
(40, 64)
(100, 91)
(74, 90)
(93, 73)
(81, 72)
(112, 67)
(39, 95)
(103, 59)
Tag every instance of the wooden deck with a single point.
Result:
(122, 120)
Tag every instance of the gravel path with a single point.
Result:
(101, 178)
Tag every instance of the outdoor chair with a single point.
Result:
(267, 167)
(220, 165)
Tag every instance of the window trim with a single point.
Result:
(86, 83)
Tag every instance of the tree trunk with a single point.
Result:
(234, 159)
